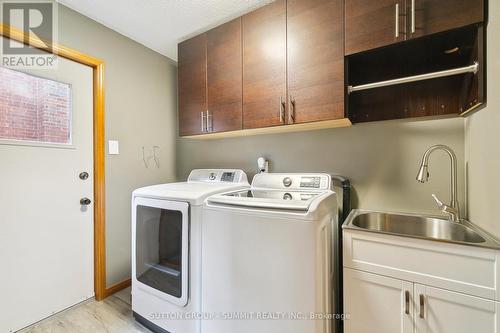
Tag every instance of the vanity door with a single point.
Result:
(377, 304)
(315, 38)
(443, 311)
(432, 16)
(264, 66)
(372, 24)
(224, 77)
(192, 78)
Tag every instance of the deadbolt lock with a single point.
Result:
(85, 201)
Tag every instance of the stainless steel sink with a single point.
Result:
(420, 226)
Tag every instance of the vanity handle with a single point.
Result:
(422, 306)
(210, 122)
(397, 21)
(413, 16)
(292, 109)
(407, 302)
(203, 122)
(282, 110)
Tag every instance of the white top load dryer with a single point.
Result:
(267, 256)
(166, 248)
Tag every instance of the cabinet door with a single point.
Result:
(371, 24)
(431, 16)
(443, 311)
(224, 77)
(377, 304)
(192, 80)
(264, 66)
(315, 60)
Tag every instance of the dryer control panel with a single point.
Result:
(292, 181)
(217, 176)
(310, 182)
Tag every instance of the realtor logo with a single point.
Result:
(36, 19)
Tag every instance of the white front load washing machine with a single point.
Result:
(267, 252)
(166, 248)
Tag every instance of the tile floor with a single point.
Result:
(113, 315)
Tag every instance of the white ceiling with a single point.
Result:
(161, 24)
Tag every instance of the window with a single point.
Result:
(34, 109)
(159, 249)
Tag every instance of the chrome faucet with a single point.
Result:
(452, 209)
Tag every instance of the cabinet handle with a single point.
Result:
(282, 110)
(422, 306)
(203, 122)
(292, 109)
(407, 302)
(210, 122)
(397, 21)
(412, 16)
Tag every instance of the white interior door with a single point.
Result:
(46, 235)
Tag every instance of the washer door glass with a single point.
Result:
(161, 248)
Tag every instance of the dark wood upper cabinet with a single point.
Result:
(315, 60)
(224, 77)
(192, 80)
(370, 24)
(264, 66)
(431, 16)
(449, 95)
(285, 64)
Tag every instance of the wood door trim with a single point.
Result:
(99, 143)
(118, 286)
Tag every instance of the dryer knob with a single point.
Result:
(287, 181)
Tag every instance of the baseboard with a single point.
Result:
(117, 287)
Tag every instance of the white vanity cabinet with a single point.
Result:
(395, 284)
(439, 310)
(377, 303)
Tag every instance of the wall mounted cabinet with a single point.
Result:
(279, 68)
(432, 16)
(192, 81)
(372, 24)
(315, 60)
(224, 75)
(283, 66)
(209, 78)
(264, 66)
(452, 95)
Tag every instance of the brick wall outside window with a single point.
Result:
(34, 108)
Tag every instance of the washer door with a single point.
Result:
(160, 261)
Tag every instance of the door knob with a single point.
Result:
(83, 175)
(85, 201)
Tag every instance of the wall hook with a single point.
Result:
(144, 157)
(156, 157)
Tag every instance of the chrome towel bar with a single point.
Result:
(449, 72)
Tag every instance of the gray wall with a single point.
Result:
(483, 140)
(141, 106)
(380, 158)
